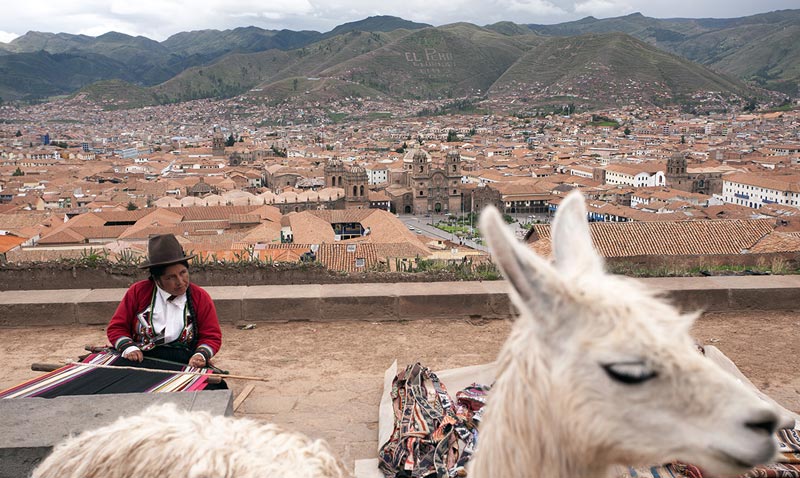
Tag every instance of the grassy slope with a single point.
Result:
(612, 57)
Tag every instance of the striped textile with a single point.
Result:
(77, 379)
(787, 466)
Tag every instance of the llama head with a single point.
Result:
(615, 367)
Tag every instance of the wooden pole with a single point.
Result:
(243, 396)
(212, 378)
(155, 370)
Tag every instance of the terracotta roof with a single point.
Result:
(348, 257)
(210, 213)
(123, 216)
(8, 242)
(62, 236)
(778, 242)
(627, 239)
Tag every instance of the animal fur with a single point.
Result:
(166, 442)
(598, 371)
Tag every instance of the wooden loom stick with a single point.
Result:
(49, 367)
(155, 370)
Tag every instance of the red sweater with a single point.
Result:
(125, 330)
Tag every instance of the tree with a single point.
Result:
(683, 139)
(230, 140)
(627, 131)
(18, 133)
(18, 172)
(132, 206)
(452, 136)
(294, 84)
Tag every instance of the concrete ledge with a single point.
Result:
(386, 301)
(32, 426)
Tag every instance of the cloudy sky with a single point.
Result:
(158, 19)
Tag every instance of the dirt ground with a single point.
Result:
(325, 379)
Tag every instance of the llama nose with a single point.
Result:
(766, 422)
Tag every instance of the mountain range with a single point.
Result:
(592, 60)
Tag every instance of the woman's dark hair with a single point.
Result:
(158, 271)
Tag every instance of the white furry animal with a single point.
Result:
(166, 442)
(598, 372)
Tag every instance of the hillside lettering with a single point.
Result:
(430, 59)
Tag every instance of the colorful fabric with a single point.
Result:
(132, 323)
(788, 465)
(77, 379)
(432, 435)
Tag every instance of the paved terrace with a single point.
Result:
(384, 301)
(324, 349)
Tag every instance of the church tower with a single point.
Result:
(676, 164)
(217, 142)
(334, 173)
(356, 192)
(421, 165)
(452, 165)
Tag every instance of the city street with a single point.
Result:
(425, 224)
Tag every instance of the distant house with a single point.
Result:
(755, 190)
(636, 175)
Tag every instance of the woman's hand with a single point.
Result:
(197, 360)
(133, 354)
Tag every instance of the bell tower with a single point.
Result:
(356, 192)
(217, 142)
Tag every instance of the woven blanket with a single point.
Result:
(77, 379)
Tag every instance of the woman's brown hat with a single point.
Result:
(163, 250)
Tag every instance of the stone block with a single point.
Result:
(98, 306)
(30, 427)
(40, 307)
(281, 303)
(228, 301)
(358, 302)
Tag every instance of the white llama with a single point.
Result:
(163, 441)
(598, 372)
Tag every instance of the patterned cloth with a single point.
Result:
(77, 379)
(788, 465)
(432, 435)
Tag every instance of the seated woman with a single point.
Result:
(166, 316)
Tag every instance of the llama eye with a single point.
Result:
(629, 373)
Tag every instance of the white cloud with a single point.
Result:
(536, 8)
(6, 37)
(603, 8)
(158, 19)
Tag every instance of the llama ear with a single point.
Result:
(572, 242)
(534, 281)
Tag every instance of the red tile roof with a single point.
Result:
(627, 239)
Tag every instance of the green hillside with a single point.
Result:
(231, 75)
(586, 58)
(215, 43)
(453, 60)
(41, 74)
(764, 47)
(379, 23)
(610, 68)
(320, 56)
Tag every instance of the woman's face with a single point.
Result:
(175, 279)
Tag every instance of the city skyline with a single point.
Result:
(158, 20)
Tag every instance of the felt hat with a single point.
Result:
(163, 250)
